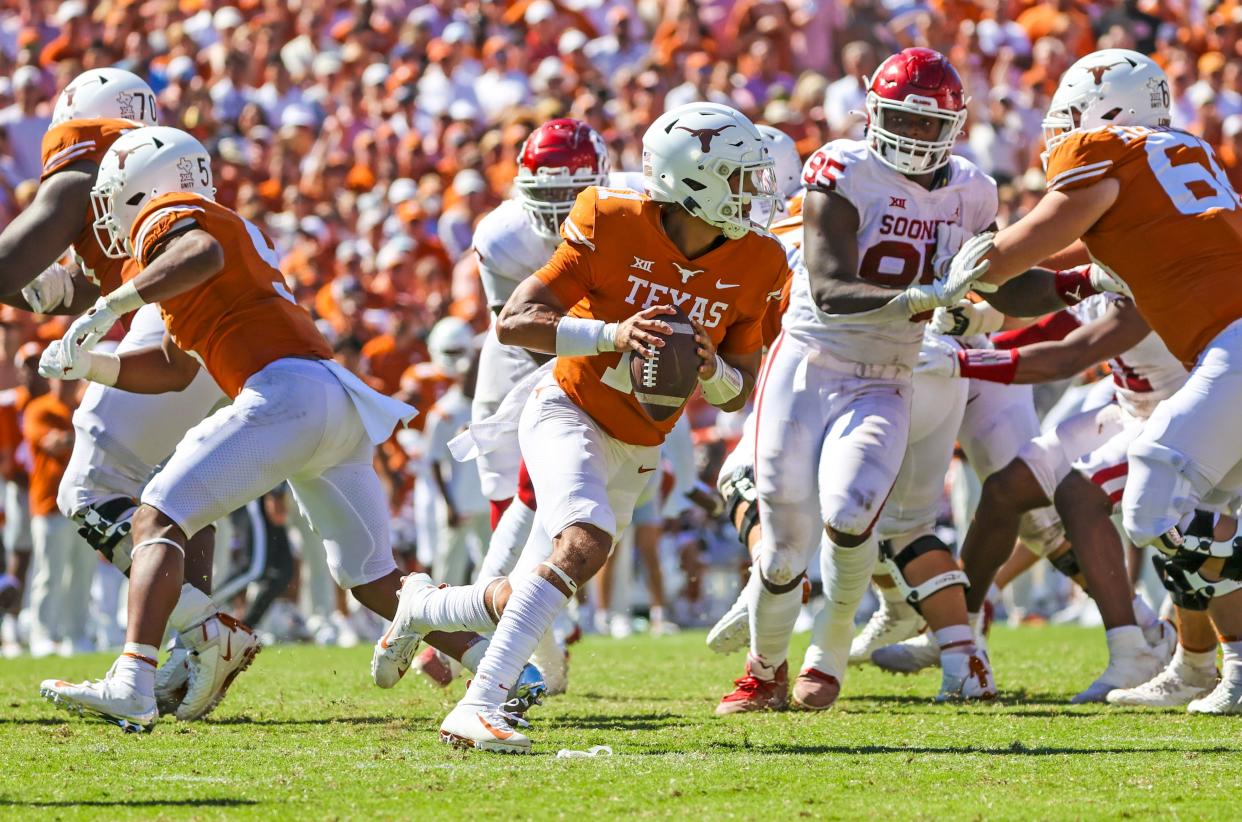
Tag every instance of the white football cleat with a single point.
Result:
(892, 622)
(394, 651)
(469, 726)
(1225, 698)
(1177, 685)
(910, 656)
(105, 698)
(172, 679)
(965, 677)
(732, 631)
(1124, 671)
(220, 648)
(553, 662)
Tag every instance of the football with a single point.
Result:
(663, 383)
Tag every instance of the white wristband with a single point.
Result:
(580, 337)
(724, 386)
(125, 299)
(104, 368)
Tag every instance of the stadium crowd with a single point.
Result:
(368, 138)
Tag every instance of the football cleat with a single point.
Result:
(105, 698)
(431, 664)
(732, 631)
(1225, 698)
(220, 648)
(892, 622)
(815, 690)
(965, 677)
(908, 657)
(754, 694)
(394, 651)
(1124, 671)
(553, 662)
(1177, 685)
(172, 678)
(470, 726)
(527, 692)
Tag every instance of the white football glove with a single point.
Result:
(52, 364)
(938, 357)
(949, 240)
(968, 265)
(50, 290)
(87, 330)
(966, 319)
(1103, 280)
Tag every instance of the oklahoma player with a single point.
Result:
(296, 414)
(833, 409)
(588, 444)
(1117, 173)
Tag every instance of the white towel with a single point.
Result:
(485, 436)
(380, 413)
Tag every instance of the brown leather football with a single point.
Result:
(663, 383)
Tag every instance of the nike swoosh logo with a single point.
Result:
(720, 284)
(496, 732)
(642, 470)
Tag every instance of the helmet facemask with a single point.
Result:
(112, 238)
(751, 199)
(908, 155)
(549, 195)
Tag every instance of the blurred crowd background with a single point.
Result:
(368, 138)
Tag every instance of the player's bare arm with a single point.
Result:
(40, 234)
(1030, 294)
(1110, 336)
(184, 261)
(830, 242)
(1057, 220)
(533, 312)
(85, 293)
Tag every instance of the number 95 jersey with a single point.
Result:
(897, 227)
(1174, 234)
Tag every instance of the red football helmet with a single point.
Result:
(558, 160)
(915, 81)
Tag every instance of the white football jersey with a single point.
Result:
(897, 231)
(1144, 375)
(508, 250)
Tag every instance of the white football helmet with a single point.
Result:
(712, 161)
(787, 168)
(1109, 87)
(106, 92)
(451, 345)
(140, 166)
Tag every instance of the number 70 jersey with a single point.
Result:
(1174, 233)
(897, 227)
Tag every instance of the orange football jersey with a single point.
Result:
(617, 261)
(1174, 235)
(242, 318)
(66, 144)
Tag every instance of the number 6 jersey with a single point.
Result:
(1174, 234)
(897, 226)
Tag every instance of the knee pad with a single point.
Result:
(1067, 563)
(896, 566)
(1163, 486)
(1197, 542)
(105, 526)
(739, 488)
(1041, 531)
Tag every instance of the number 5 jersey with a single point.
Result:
(897, 228)
(1174, 233)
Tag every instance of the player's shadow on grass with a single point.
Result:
(629, 722)
(1016, 749)
(128, 803)
(324, 720)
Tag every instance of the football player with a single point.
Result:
(587, 442)
(296, 414)
(832, 411)
(1138, 194)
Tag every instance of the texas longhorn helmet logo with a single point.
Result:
(705, 135)
(122, 154)
(1098, 71)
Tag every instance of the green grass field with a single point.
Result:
(304, 735)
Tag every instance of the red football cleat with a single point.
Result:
(815, 690)
(754, 694)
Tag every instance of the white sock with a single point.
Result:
(846, 573)
(474, 655)
(531, 610)
(772, 618)
(457, 608)
(136, 668)
(193, 608)
(956, 639)
(1143, 614)
(1231, 660)
(507, 541)
(1198, 660)
(1124, 640)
